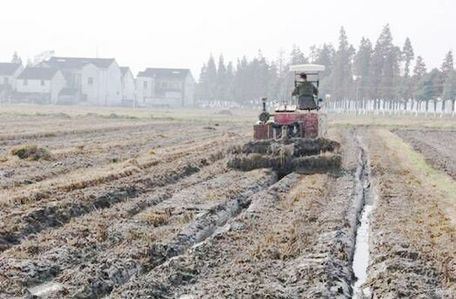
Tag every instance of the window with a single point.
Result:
(145, 84)
(42, 83)
(90, 81)
(25, 82)
(5, 81)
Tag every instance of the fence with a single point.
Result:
(390, 107)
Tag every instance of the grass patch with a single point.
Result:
(32, 152)
(416, 162)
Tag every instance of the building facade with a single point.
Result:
(97, 79)
(39, 85)
(165, 87)
(8, 77)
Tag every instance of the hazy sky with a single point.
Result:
(182, 33)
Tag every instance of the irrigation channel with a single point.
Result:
(366, 204)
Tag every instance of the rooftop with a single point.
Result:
(78, 62)
(8, 68)
(38, 73)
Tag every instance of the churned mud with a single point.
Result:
(295, 240)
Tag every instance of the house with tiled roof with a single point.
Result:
(97, 79)
(170, 87)
(39, 85)
(8, 75)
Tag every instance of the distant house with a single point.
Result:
(98, 80)
(8, 75)
(165, 87)
(39, 85)
(127, 84)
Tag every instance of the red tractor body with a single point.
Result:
(301, 124)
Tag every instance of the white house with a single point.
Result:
(128, 84)
(39, 84)
(97, 79)
(8, 76)
(165, 87)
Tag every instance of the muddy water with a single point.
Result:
(361, 256)
(366, 200)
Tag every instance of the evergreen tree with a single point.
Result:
(420, 68)
(201, 92)
(406, 83)
(407, 55)
(221, 88)
(211, 78)
(282, 75)
(429, 87)
(385, 70)
(273, 82)
(229, 82)
(296, 56)
(361, 68)
(419, 72)
(447, 65)
(449, 89)
(324, 55)
(342, 76)
(240, 81)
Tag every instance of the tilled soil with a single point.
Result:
(295, 240)
(437, 146)
(149, 209)
(412, 244)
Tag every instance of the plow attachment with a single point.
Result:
(299, 155)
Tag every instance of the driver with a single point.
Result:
(305, 91)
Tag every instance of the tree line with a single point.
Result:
(372, 71)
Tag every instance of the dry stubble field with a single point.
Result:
(140, 204)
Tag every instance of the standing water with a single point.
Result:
(361, 256)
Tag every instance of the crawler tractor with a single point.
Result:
(293, 138)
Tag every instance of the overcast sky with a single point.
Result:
(182, 33)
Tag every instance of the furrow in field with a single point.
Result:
(27, 219)
(296, 240)
(41, 257)
(91, 153)
(163, 231)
